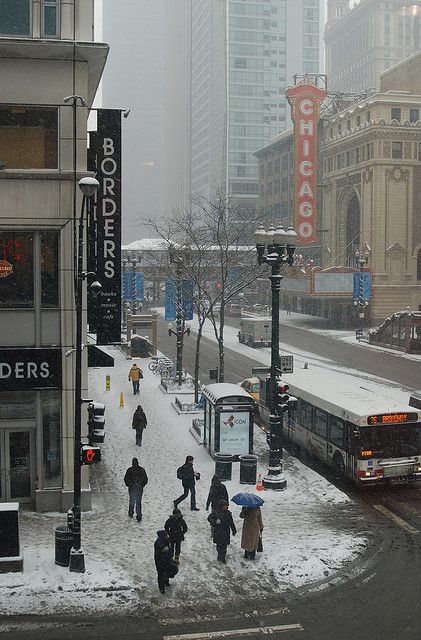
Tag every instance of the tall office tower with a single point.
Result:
(364, 41)
(244, 55)
(133, 79)
(176, 107)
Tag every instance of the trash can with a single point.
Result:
(248, 469)
(223, 465)
(63, 544)
(140, 347)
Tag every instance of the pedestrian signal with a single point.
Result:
(90, 455)
(96, 422)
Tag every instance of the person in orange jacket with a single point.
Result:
(135, 374)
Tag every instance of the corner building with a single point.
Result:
(46, 53)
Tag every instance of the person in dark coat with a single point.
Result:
(252, 530)
(162, 555)
(136, 480)
(188, 477)
(217, 492)
(139, 423)
(222, 524)
(176, 527)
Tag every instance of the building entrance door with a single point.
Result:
(17, 464)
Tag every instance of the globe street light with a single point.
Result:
(275, 247)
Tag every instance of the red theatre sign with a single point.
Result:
(305, 100)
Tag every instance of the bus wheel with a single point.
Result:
(338, 467)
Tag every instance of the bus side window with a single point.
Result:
(306, 415)
(336, 431)
(320, 423)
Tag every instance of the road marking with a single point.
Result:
(166, 622)
(395, 518)
(210, 635)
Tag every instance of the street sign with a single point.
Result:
(260, 371)
(287, 364)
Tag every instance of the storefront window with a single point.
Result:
(28, 137)
(51, 439)
(16, 270)
(49, 269)
(15, 405)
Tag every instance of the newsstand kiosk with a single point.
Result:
(228, 427)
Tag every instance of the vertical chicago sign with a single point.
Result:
(305, 99)
(108, 225)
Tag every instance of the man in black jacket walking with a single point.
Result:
(188, 477)
(162, 556)
(135, 479)
(139, 423)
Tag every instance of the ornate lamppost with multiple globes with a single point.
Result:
(276, 248)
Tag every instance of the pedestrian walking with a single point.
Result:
(135, 374)
(139, 423)
(176, 527)
(188, 477)
(165, 566)
(252, 531)
(217, 492)
(223, 525)
(136, 480)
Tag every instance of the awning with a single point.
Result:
(98, 358)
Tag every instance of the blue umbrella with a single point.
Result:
(247, 500)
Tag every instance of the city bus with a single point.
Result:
(352, 428)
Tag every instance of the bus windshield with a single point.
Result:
(391, 441)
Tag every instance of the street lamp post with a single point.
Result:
(275, 248)
(88, 187)
(181, 329)
(361, 302)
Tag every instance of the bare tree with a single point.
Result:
(209, 242)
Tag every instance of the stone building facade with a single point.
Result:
(369, 200)
(372, 192)
(46, 54)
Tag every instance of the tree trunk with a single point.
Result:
(197, 362)
(221, 344)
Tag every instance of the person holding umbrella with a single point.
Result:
(252, 522)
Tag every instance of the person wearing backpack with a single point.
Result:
(139, 423)
(135, 374)
(176, 527)
(188, 477)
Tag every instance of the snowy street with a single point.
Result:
(312, 530)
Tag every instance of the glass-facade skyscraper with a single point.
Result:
(244, 56)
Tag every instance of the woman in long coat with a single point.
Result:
(252, 528)
(139, 423)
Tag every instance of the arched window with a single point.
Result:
(419, 265)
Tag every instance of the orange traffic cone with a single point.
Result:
(259, 485)
(121, 400)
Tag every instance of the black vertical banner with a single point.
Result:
(108, 225)
(92, 231)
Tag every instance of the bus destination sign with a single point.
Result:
(392, 418)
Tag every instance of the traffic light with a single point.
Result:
(282, 396)
(96, 422)
(90, 455)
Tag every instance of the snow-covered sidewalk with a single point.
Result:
(312, 530)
